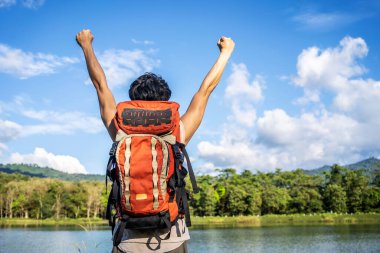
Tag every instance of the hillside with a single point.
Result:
(367, 164)
(371, 165)
(35, 171)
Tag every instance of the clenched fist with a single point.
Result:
(226, 44)
(84, 38)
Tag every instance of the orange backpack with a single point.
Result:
(146, 168)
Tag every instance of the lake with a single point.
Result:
(334, 238)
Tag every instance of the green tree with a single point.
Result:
(40, 188)
(371, 199)
(335, 198)
(22, 202)
(355, 183)
(305, 200)
(235, 202)
(74, 199)
(11, 192)
(55, 192)
(336, 174)
(274, 200)
(253, 202)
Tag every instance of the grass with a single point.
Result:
(82, 222)
(216, 221)
(288, 219)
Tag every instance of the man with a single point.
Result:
(152, 87)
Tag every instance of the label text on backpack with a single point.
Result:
(139, 117)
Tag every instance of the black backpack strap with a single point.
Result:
(112, 200)
(182, 197)
(110, 166)
(189, 167)
(171, 185)
(113, 222)
(158, 238)
(178, 160)
(113, 196)
(156, 235)
(110, 172)
(111, 162)
(166, 220)
(180, 174)
(119, 233)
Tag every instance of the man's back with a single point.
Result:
(150, 87)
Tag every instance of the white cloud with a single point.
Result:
(240, 93)
(26, 64)
(320, 20)
(284, 142)
(309, 139)
(207, 168)
(7, 3)
(332, 67)
(238, 85)
(145, 42)
(2, 148)
(44, 122)
(232, 150)
(54, 122)
(121, 66)
(33, 4)
(41, 122)
(337, 71)
(43, 158)
(9, 130)
(347, 132)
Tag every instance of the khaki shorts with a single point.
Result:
(180, 249)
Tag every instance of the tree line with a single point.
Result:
(40, 198)
(229, 193)
(287, 192)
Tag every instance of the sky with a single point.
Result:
(301, 89)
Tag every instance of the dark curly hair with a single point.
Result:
(150, 87)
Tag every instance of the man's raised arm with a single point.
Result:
(107, 104)
(194, 114)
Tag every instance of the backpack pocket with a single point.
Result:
(143, 167)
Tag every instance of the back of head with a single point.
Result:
(150, 87)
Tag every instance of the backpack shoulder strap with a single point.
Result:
(182, 194)
(190, 168)
(179, 153)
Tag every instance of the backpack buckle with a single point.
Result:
(178, 154)
(113, 149)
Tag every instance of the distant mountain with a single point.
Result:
(35, 171)
(371, 164)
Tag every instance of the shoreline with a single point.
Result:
(217, 221)
(288, 219)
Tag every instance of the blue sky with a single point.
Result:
(300, 90)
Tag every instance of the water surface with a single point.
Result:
(342, 238)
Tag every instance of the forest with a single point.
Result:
(229, 193)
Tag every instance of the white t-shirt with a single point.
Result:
(135, 241)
